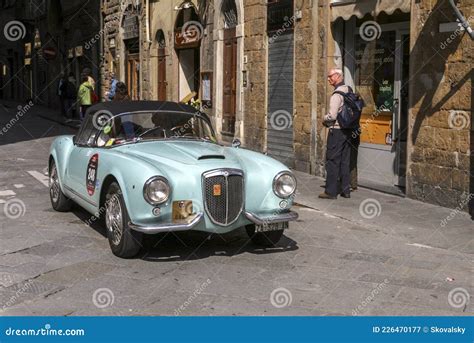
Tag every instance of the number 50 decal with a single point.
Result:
(91, 176)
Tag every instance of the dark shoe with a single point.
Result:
(326, 196)
(347, 196)
(354, 188)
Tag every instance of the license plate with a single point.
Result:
(271, 227)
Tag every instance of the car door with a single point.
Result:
(83, 164)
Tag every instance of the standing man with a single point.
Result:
(62, 86)
(113, 87)
(84, 95)
(338, 152)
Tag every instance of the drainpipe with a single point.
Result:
(147, 14)
(462, 19)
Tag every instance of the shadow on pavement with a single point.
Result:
(20, 122)
(192, 245)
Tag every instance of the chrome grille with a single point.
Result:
(226, 204)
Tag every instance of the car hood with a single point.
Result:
(185, 152)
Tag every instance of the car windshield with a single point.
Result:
(145, 126)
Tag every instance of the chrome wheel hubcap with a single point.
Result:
(54, 184)
(113, 219)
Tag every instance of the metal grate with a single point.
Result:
(223, 195)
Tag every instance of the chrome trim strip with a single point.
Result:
(223, 172)
(90, 202)
(169, 227)
(276, 218)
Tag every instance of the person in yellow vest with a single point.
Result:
(84, 95)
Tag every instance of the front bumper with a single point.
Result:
(196, 219)
(275, 218)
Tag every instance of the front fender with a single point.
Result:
(260, 172)
(131, 174)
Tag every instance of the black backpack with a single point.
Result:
(71, 92)
(349, 117)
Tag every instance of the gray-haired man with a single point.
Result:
(338, 152)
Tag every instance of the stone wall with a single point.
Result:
(255, 105)
(440, 133)
(303, 98)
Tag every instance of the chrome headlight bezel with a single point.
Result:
(147, 186)
(278, 192)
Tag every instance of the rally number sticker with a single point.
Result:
(91, 177)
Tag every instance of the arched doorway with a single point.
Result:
(162, 83)
(188, 34)
(230, 22)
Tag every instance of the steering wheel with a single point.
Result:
(182, 134)
(149, 130)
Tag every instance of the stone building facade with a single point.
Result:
(260, 68)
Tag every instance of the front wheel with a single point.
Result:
(265, 239)
(123, 241)
(59, 201)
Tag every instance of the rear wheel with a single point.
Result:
(59, 201)
(264, 239)
(124, 242)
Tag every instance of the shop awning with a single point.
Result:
(345, 9)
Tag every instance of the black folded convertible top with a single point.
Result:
(120, 107)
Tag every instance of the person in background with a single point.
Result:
(62, 93)
(84, 95)
(88, 72)
(71, 97)
(113, 87)
(339, 142)
(121, 92)
(355, 143)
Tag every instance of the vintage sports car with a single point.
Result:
(148, 167)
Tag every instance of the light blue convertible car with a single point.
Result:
(151, 167)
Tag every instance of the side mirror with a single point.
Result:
(236, 143)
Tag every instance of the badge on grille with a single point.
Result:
(217, 190)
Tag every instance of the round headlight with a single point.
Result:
(157, 190)
(284, 185)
